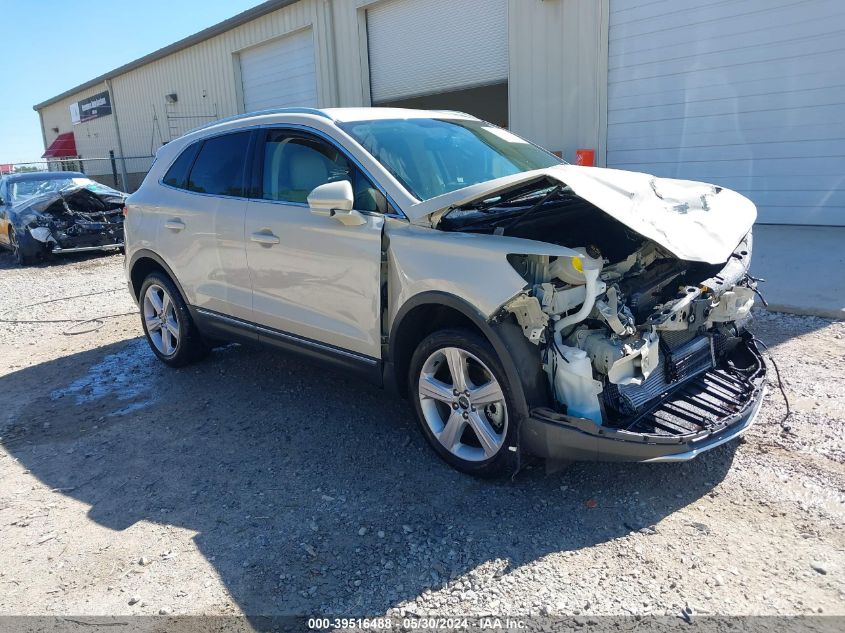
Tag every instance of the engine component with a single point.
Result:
(572, 381)
(592, 269)
(690, 359)
(734, 305)
(530, 316)
(628, 361)
(561, 300)
(635, 397)
(616, 314)
(644, 290)
(572, 270)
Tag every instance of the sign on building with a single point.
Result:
(90, 108)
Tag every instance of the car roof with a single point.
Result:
(347, 115)
(335, 115)
(45, 175)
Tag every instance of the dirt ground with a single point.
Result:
(255, 483)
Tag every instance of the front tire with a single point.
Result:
(168, 326)
(21, 259)
(463, 402)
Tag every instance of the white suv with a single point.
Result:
(523, 305)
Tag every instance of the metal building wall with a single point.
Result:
(557, 83)
(558, 73)
(94, 138)
(205, 78)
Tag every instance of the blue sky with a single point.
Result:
(49, 46)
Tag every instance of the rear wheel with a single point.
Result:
(463, 401)
(167, 323)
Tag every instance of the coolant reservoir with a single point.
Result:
(574, 384)
(570, 270)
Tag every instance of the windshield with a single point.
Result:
(431, 157)
(25, 189)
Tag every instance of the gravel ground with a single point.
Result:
(255, 483)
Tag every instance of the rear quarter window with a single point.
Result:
(177, 175)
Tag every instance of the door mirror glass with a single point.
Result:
(330, 197)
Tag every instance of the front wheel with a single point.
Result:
(462, 401)
(21, 258)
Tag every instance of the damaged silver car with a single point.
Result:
(46, 213)
(523, 305)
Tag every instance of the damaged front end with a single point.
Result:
(645, 359)
(75, 219)
(646, 353)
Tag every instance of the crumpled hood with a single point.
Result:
(695, 221)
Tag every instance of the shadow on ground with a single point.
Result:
(277, 465)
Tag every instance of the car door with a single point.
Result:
(315, 282)
(201, 212)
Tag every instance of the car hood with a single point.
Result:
(695, 221)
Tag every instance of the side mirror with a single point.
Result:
(335, 200)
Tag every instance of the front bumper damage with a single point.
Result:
(690, 417)
(78, 234)
(72, 221)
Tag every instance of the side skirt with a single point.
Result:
(222, 326)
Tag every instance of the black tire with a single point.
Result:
(190, 345)
(480, 348)
(21, 259)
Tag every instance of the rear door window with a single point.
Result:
(219, 168)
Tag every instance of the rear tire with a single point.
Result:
(463, 402)
(171, 333)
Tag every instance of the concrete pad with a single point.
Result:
(804, 268)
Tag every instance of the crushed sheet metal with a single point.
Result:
(695, 221)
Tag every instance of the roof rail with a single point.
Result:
(455, 112)
(245, 115)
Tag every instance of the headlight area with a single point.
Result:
(650, 347)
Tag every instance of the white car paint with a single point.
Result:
(695, 221)
(290, 271)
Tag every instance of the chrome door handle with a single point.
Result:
(174, 225)
(265, 238)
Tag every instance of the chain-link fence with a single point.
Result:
(121, 172)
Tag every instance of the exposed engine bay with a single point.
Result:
(631, 337)
(75, 219)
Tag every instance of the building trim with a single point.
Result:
(206, 34)
(603, 57)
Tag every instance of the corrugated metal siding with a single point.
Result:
(93, 138)
(351, 52)
(280, 73)
(420, 47)
(204, 78)
(557, 84)
(749, 94)
(557, 57)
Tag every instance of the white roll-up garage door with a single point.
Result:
(419, 47)
(280, 73)
(748, 94)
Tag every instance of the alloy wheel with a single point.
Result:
(160, 320)
(13, 241)
(463, 404)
